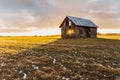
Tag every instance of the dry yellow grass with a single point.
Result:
(13, 45)
(50, 58)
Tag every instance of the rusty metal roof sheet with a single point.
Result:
(82, 22)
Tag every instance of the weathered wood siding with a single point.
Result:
(80, 32)
(93, 32)
(65, 27)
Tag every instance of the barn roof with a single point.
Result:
(82, 22)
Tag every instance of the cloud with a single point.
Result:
(41, 14)
(13, 30)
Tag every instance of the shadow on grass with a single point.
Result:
(74, 59)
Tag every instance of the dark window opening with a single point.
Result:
(88, 32)
(70, 27)
(67, 23)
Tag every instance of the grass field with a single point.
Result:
(51, 58)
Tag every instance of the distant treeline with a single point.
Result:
(34, 36)
(117, 34)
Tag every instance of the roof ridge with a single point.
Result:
(77, 17)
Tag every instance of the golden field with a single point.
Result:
(52, 58)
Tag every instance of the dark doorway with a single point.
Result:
(88, 32)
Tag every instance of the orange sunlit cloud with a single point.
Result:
(43, 17)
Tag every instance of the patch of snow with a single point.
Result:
(105, 75)
(18, 65)
(109, 66)
(101, 61)
(84, 64)
(3, 64)
(81, 55)
(9, 75)
(13, 68)
(64, 68)
(35, 67)
(104, 56)
(106, 60)
(64, 78)
(25, 75)
(46, 53)
(91, 72)
(20, 72)
(50, 57)
(77, 60)
(62, 65)
(113, 64)
(86, 78)
(17, 79)
(58, 77)
(100, 73)
(54, 60)
(62, 60)
(74, 51)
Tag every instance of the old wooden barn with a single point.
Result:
(74, 27)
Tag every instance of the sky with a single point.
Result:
(43, 17)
